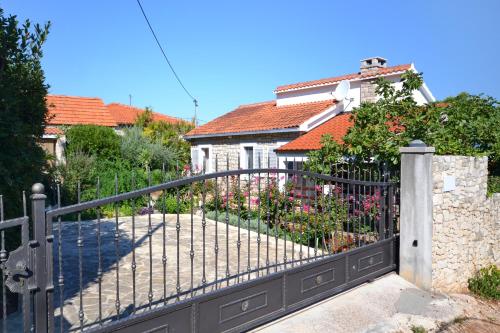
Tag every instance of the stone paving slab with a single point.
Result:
(161, 284)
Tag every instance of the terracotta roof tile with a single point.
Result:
(337, 127)
(354, 76)
(126, 115)
(49, 130)
(261, 117)
(72, 110)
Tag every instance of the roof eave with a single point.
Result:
(278, 91)
(274, 131)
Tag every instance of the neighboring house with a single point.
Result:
(289, 126)
(65, 111)
(125, 115)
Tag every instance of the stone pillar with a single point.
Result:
(415, 253)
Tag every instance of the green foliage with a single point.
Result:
(382, 127)
(99, 141)
(461, 125)
(465, 125)
(169, 204)
(486, 283)
(144, 119)
(493, 185)
(22, 108)
(143, 152)
(321, 160)
(418, 329)
(170, 135)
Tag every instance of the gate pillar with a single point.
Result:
(40, 259)
(415, 252)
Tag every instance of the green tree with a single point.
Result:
(144, 152)
(171, 135)
(461, 125)
(99, 141)
(23, 110)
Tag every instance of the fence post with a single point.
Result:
(415, 248)
(40, 269)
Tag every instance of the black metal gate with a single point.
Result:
(218, 252)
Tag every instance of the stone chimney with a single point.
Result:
(370, 64)
(368, 86)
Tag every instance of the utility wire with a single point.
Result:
(195, 101)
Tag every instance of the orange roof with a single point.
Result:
(354, 76)
(126, 115)
(72, 110)
(263, 116)
(49, 130)
(337, 127)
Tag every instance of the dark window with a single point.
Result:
(249, 157)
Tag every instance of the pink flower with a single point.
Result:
(306, 208)
(318, 188)
(245, 194)
(282, 177)
(255, 201)
(290, 199)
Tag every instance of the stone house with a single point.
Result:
(283, 130)
(65, 111)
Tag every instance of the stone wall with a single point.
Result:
(368, 91)
(466, 223)
(230, 147)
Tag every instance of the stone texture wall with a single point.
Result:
(224, 147)
(466, 224)
(368, 91)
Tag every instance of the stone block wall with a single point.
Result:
(230, 147)
(466, 223)
(368, 91)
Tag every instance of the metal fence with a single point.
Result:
(94, 263)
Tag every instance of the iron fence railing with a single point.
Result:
(125, 254)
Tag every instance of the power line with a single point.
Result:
(195, 101)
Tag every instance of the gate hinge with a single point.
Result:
(16, 269)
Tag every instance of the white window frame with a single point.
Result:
(243, 156)
(201, 156)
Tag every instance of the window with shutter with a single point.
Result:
(195, 153)
(258, 157)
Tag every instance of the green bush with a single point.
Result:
(99, 141)
(170, 204)
(493, 184)
(486, 283)
(144, 152)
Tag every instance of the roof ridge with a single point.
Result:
(333, 101)
(308, 83)
(256, 104)
(70, 96)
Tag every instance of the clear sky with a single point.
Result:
(235, 52)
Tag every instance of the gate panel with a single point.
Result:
(236, 308)
(370, 260)
(307, 282)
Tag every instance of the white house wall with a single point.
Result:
(318, 94)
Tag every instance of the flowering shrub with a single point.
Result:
(313, 214)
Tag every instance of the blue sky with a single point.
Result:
(235, 52)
